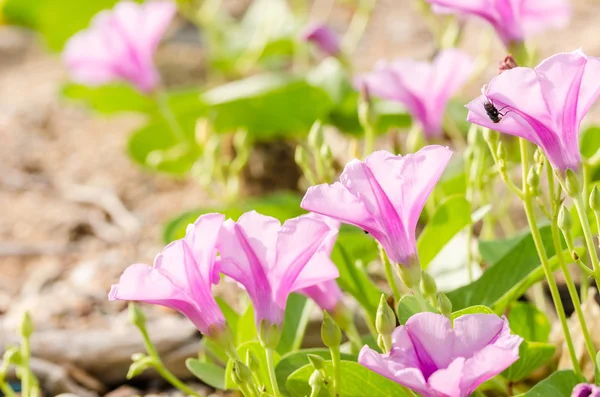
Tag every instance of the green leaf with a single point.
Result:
(477, 309)
(589, 141)
(559, 384)
(514, 267)
(268, 106)
(209, 373)
(450, 217)
(358, 381)
(596, 369)
(532, 355)
(231, 316)
(354, 250)
(282, 205)
(529, 322)
(246, 327)
(111, 98)
(294, 360)
(409, 306)
(297, 313)
(259, 352)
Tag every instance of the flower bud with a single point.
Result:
(137, 316)
(491, 137)
(252, 361)
(241, 374)
(444, 305)
(428, 285)
(385, 319)
(595, 199)
(301, 157)
(26, 328)
(317, 362)
(316, 138)
(533, 181)
(330, 332)
(573, 185)
(381, 343)
(565, 221)
(139, 366)
(410, 275)
(269, 334)
(316, 381)
(326, 154)
(538, 156)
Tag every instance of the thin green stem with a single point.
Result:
(358, 25)
(555, 200)
(421, 300)
(271, 369)
(335, 361)
(160, 367)
(541, 250)
(6, 389)
(587, 233)
(26, 375)
(389, 274)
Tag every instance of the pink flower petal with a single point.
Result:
(432, 337)
(447, 381)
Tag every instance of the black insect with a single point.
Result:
(493, 113)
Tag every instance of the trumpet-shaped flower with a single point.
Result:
(181, 278)
(586, 390)
(424, 88)
(119, 45)
(272, 260)
(323, 37)
(544, 105)
(434, 359)
(383, 195)
(513, 20)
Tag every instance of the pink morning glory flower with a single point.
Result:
(383, 195)
(434, 359)
(513, 20)
(586, 390)
(424, 88)
(181, 278)
(120, 45)
(271, 260)
(323, 37)
(544, 105)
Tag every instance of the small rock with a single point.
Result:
(124, 391)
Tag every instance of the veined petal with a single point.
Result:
(432, 338)
(201, 237)
(485, 364)
(474, 332)
(446, 381)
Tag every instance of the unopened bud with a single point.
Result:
(330, 332)
(241, 140)
(573, 184)
(533, 181)
(595, 199)
(301, 157)
(491, 137)
(538, 156)
(385, 320)
(316, 138)
(326, 154)
(381, 343)
(139, 366)
(137, 316)
(269, 334)
(241, 374)
(366, 115)
(252, 361)
(26, 325)
(316, 381)
(428, 285)
(444, 305)
(410, 275)
(506, 64)
(317, 362)
(565, 221)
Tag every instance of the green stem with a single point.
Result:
(587, 233)
(541, 250)
(26, 375)
(335, 361)
(556, 202)
(160, 367)
(357, 27)
(421, 300)
(6, 389)
(271, 369)
(389, 274)
(165, 110)
(353, 336)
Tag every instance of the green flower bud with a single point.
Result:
(139, 366)
(538, 156)
(326, 154)
(317, 362)
(137, 316)
(316, 380)
(444, 305)
(269, 335)
(428, 284)
(595, 199)
(26, 328)
(316, 137)
(241, 374)
(252, 361)
(533, 181)
(301, 157)
(381, 343)
(573, 187)
(12, 355)
(385, 320)
(410, 275)
(330, 332)
(491, 137)
(565, 221)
